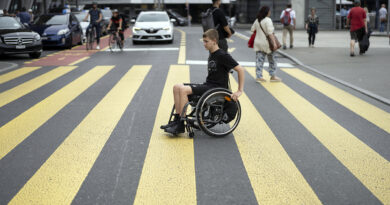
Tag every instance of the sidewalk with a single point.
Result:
(331, 56)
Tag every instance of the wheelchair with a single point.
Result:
(215, 113)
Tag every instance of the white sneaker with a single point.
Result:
(98, 47)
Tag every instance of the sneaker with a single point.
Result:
(261, 80)
(275, 79)
(284, 47)
(175, 120)
(176, 129)
(352, 54)
(291, 46)
(98, 47)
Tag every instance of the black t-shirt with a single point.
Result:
(94, 14)
(219, 65)
(116, 21)
(220, 22)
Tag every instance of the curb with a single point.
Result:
(358, 89)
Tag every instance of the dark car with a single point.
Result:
(58, 30)
(180, 20)
(16, 38)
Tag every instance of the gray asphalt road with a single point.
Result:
(306, 140)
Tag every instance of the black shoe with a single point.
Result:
(175, 120)
(284, 47)
(352, 54)
(176, 129)
(291, 46)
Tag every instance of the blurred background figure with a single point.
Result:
(382, 17)
(30, 12)
(311, 26)
(24, 17)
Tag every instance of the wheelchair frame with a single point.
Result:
(194, 120)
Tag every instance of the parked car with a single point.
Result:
(84, 24)
(180, 20)
(153, 26)
(58, 30)
(107, 14)
(16, 38)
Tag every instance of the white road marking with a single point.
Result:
(145, 49)
(242, 63)
(12, 65)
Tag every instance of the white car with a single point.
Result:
(153, 26)
(84, 24)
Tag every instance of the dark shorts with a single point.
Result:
(357, 34)
(199, 89)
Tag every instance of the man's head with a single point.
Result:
(94, 4)
(357, 2)
(383, 5)
(210, 39)
(24, 9)
(289, 6)
(115, 12)
(216, 3)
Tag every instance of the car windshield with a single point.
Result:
(81, 16)
(175, 14)
(153, 17)
(9, 23)
(106, 13)
(52, 20)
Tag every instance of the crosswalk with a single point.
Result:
(169, 172)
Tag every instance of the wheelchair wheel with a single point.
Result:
(217, 114)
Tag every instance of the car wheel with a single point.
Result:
(35, 55)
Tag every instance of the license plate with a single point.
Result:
(20, 47)
(152, 38)
(44, 38)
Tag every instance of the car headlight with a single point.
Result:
(63, 31)
(37, 37)
(136, 29)
(167, 28)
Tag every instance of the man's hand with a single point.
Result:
(236, 95)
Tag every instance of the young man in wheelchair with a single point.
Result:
(219, 65)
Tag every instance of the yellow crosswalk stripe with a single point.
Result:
(168, 175)
(33, 84)
(363, 162)
(58, 180)
(18, 129)
(373, 114)
(274, 177)
(17, 73)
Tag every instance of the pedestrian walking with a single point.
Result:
(221, 25)
(358, 25)
(343, 14)
(383, 18)
(24, 17)
(263, 26)
(311, 26)
(288, 20)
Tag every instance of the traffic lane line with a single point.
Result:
(362, 108)
(168, 174)
(16, 73)
(182, 52)
(266, 161)
(15, 131)
(33, 84)
(364, 163)
(58, 180)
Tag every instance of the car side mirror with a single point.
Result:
(26, 25)
(173, 20)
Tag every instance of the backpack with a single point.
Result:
(207, 19)
(124, 22)
(286, 20)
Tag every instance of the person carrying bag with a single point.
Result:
(265, 44)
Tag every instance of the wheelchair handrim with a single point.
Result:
(232, 128)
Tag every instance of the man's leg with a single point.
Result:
(185, 91)
(352, 47)
(284, 37)
(176, 96)
(291, 31)
(97, 27)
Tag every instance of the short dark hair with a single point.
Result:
(214, 1)
(211, 34)
(289, 6)
(24, 9)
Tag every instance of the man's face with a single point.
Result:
(115, 14)
(208, 43)
(94, 6)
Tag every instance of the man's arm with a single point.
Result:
(227, 29)
(100, 17)
(241, 79)
(86, 17)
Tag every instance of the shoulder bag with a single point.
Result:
(273, 42)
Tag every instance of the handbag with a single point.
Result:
(251, 41)
(273, 42)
